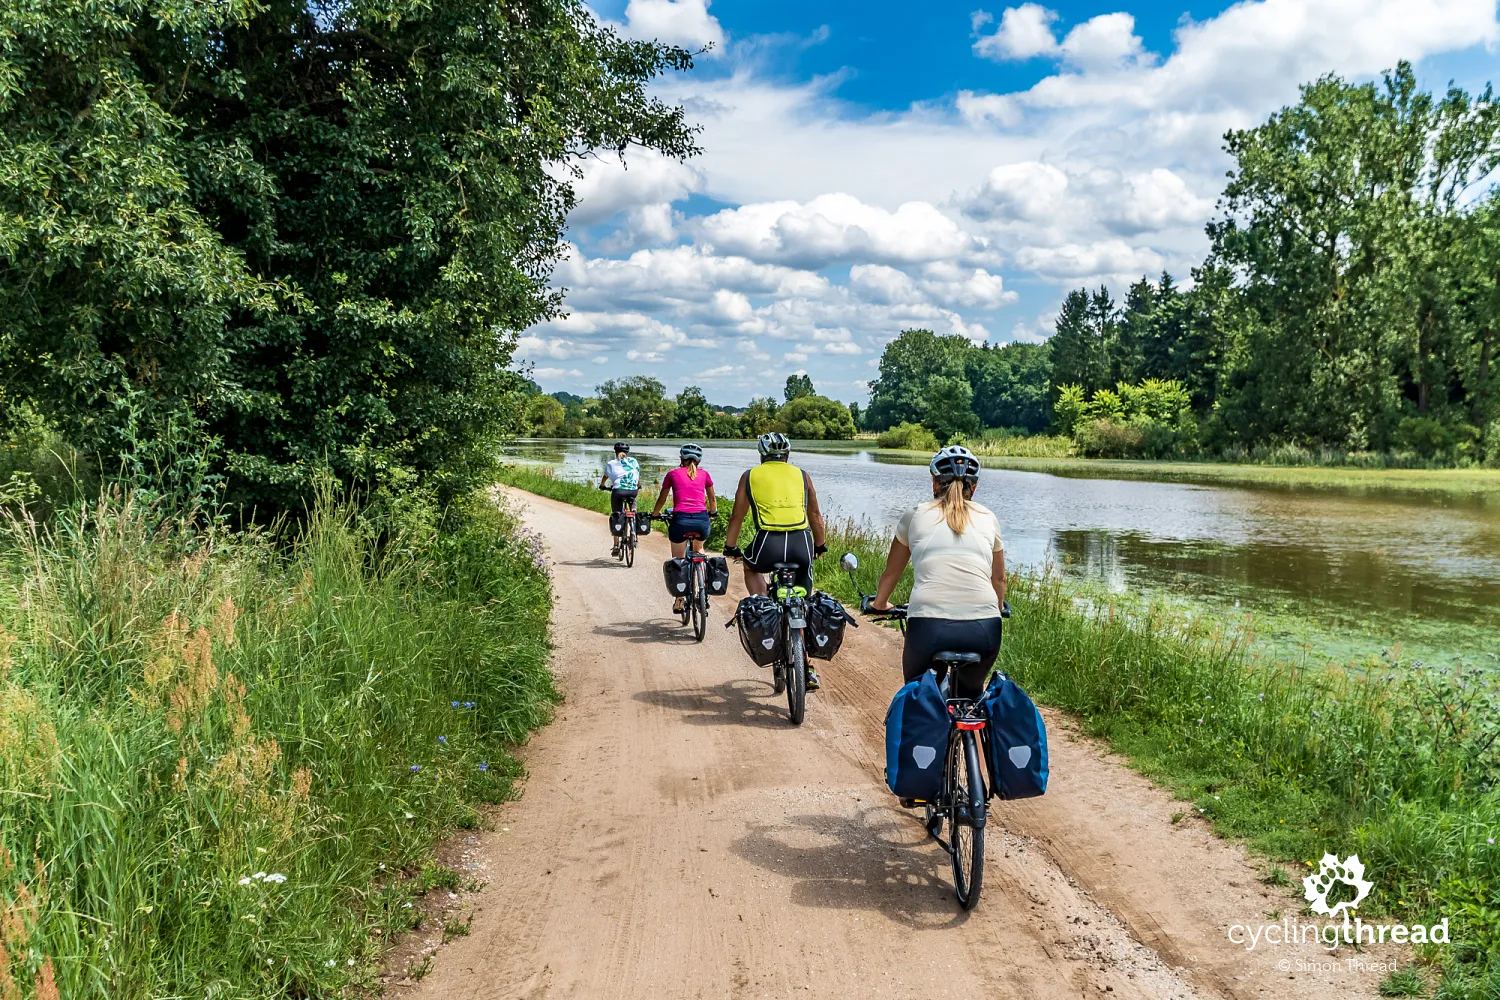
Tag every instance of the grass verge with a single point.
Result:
(226, 756)
(1391, 761)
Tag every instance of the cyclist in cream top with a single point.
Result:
(958, 568)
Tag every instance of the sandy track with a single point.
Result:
(679, 839)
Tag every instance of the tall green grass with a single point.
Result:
(225, 757)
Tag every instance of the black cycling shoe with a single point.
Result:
(812, 679)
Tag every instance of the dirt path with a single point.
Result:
(679, 839)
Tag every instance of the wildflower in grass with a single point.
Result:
(484, 766)
(443, 740)
(454, 704)
(276, 878)
(410, 816)
(330, 963)
(1492, 840)
(468, 704)
(351, 961)
(415, 768)
(1200, 722)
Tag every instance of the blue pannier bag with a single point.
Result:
(916, 738)
(1015, 741)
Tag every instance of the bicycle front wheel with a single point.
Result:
(796, 676)
(965, 808)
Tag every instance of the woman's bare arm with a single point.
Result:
(895, 565)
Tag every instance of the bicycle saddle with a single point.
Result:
(951, 657)
(786, 566)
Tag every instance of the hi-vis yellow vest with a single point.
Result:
(778, 497)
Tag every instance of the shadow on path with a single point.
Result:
(878, 859)
(742, 701)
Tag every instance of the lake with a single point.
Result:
(1351, 573)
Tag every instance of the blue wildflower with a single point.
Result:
(415, 768)
(443, 739)
(484, 766)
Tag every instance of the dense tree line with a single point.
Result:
(272, 241)
(638, 407)
(1350, 301)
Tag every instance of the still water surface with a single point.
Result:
(1350, 573)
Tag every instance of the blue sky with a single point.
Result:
(955, 166)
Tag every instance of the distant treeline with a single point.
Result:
(1349, 305)
(638, 406)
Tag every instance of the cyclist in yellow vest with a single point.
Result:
(782, 504)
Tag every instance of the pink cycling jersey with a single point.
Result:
(689, 496)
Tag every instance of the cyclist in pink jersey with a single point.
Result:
(694, 505)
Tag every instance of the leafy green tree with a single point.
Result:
(298, 238)
(544, 416)
(760, 418)
(798, 386)
(1012, 385)
(693, 417)
(949, 403)
(854, 416)
(724, 427)
(635, 406)
(817, 418)
(1350, 227)
(906, 366)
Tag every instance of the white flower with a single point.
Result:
(278, 878)
(351, 961)
(258, 875)
(245, 880)
(410, 816)
(329, 963)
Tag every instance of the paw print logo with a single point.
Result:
(1350, 871)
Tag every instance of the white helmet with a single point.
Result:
(955, 462)
(774, 445)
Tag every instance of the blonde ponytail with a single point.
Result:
(955, 506)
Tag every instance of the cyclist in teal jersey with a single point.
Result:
(622, 477)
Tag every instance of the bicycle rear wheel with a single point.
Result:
(629, 547)
(699, 601)
(796, 676)
(965, 805)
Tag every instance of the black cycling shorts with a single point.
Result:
(619, 498)
(926, 636)
(771, 547)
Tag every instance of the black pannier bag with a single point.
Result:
(617, 522)
(826, 621)
(643, 522)
(717, 575)
(676, 572)
(759, 619)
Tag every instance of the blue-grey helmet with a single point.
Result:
(690, 452)
(774, 445)
(955, 462)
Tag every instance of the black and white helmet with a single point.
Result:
(690, 451)
(955, 462)
(774, 445)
